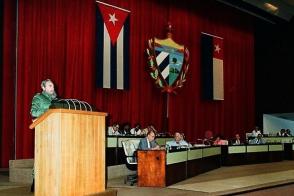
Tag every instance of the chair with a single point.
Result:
(130, 147)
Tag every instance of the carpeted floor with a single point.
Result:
(261, 179)
(228, 180)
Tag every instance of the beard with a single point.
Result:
(53, 95)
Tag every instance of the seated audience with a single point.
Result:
(136, 130)
(114, 129)
(256, 131)
(208, 137)
(148, 143)
(282, 133)
(257, 140)
(178, 141)
(288, 133)
(147, 129)
(220, 141)
(126, 129)
(236, 140)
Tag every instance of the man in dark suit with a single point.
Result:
(148, 143)
(236, 140)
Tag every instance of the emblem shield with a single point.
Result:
(168, 63)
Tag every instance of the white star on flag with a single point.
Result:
(112, 18)
(217, 48)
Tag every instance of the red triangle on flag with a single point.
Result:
(114, 19)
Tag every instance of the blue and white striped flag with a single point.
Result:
(113, 47)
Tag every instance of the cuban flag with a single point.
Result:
(113, 47)
(212, 54)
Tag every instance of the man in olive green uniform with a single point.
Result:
(42, 101)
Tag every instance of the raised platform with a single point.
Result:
(21, 171)
(240, 179)
(255, 179)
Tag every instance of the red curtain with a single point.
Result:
(56, 39)
(8, 78)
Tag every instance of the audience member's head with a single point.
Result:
(177, 137)
(208, 134)
(115, 126)
(182, 136)
(151, 135)
(127, 127)
(137, 126)
(237, 136)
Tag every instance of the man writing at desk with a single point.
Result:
(148, 143)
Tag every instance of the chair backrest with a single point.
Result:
(130, 146)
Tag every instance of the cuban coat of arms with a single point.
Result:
(168, 63)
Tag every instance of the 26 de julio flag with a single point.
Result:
(212, 53)
(113, 47)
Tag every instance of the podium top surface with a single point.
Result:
(51, 111)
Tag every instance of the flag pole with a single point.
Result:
(166, 113)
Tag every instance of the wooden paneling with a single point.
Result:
(70, 153)
(151, 168)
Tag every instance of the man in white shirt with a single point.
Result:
(178, 141)
(114, 129)
(136, 130)
(257, 140)
(256, 132)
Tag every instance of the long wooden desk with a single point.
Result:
(277, 139)
(249, 154)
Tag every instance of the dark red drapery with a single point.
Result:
(56, 39)
(8, 78)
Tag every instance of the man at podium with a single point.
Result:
(42, 101)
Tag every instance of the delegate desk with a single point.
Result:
(250, 154)
(158, 168)
(277, 139)
(115, 152)
(286, 141)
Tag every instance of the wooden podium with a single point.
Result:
(151, 168)
(69, 152)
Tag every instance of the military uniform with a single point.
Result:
(40, 104)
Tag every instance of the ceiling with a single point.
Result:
(273, 11)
